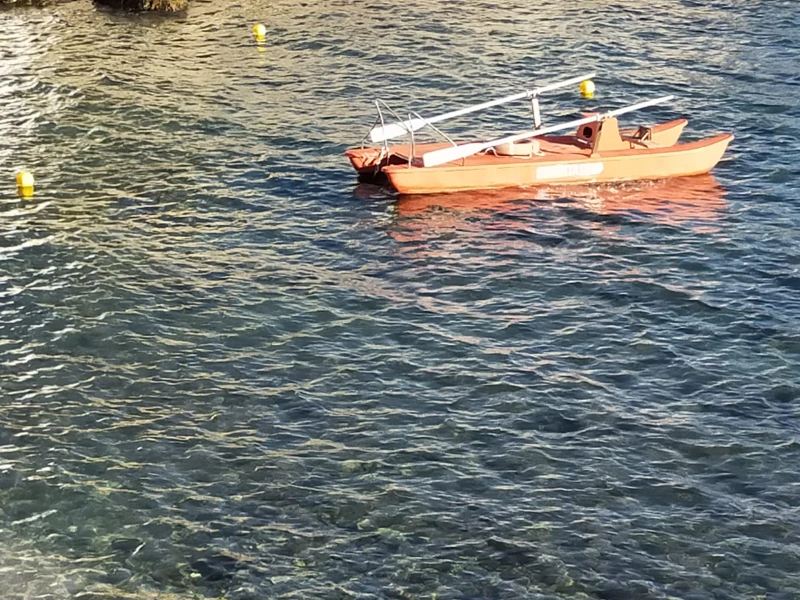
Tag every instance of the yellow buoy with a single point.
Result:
(24, 179)
(260, 31)
(25, 184)
(587, 88)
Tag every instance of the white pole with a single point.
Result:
(537, 116)
(439, 157)
(393, 130)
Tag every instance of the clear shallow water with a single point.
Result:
(228, 370)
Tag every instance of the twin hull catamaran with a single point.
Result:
(597, 151)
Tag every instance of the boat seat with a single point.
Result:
(643, 133)
(643, 136)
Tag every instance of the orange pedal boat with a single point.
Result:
(597, 151)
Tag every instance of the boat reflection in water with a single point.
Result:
(671, 201)
(462, 222)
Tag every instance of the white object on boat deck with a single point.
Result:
(522, 148)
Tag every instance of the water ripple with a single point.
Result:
(228, 370)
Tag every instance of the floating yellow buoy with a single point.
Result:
(25, 184)
(260, 31)
(587, 88)
(24, 179)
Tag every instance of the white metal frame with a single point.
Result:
(384, 132)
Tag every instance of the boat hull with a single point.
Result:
(486, 171)
(674, 201)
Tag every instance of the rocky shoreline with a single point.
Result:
(123, 5)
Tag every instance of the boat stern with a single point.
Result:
(366, 161)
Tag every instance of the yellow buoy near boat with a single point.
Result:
(587, 88)
(260, 31)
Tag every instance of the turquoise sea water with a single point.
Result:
(227, 370)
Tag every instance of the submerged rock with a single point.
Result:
(217, 567)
